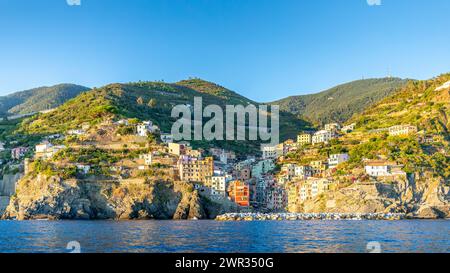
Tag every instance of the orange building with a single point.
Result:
(239, 192)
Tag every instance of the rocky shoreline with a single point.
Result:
(308, 216)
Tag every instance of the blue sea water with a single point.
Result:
(212, 236)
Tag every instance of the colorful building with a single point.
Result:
(193, 169)
(304, 139)
(239, 193)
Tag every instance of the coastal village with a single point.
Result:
(370, 168)
(272, 181)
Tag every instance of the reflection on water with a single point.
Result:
(211, 236)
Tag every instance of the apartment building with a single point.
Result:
(219, 185)
(336, 159)
(239, 193)
(176, 149)
(303, 171)
(378, 168)
(304, 139)
(322, 136)
(193, 169)
(262, 167)
(312, 187)
(19, 152)
(273, 152)
(318, 166)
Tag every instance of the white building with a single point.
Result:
(219, 185)
(348, 128)
(83, 168)
(146, 127)
(46, 150)
(2, 146)
(322, 136)
(337, 159)
(378, 168)
(272, 152)
(303, 172)
(332, 127)
(43, 147)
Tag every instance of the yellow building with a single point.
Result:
(319, 166)
(312, 187)
(196, 170)
(303, 139)
(293, 196)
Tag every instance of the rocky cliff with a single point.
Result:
(419, 197)
(43, 197)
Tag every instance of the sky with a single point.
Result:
(262, 49)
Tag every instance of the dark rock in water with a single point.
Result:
(430, 213)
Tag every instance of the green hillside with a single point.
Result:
(340, 103)
(146, 101)
(38, 99)
(416, 103)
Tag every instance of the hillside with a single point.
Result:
(38, 99)
(215, 90)
(145, 101)
(416, 153)
(340, 103)
(419, 103)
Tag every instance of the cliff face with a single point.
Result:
(419, 197)
(53, 198)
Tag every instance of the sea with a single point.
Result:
(405, 236)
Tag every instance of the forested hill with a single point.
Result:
(38, 99)
(340, 103)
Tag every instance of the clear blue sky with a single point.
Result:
(263, 49)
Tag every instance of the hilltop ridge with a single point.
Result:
(340, 103)
(39, 99)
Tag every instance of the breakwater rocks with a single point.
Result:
(308, 216)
